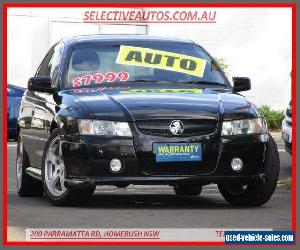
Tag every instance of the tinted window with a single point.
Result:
(45, 67)
(148, 61)
(18, 92)
(10, 91)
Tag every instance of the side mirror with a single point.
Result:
(241, 84)
(40, 84)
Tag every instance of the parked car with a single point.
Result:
(120, 110)
(14, 96)
(287, 128)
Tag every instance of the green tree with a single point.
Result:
(224, 66)
(273, 117)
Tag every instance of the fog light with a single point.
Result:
(236, 164)
(115, 165)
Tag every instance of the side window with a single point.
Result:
(10, 92)
(45, 67)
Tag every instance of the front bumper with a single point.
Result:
(87, 161)
(163, 180)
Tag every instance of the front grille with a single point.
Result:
(192, 127)
(150, 166)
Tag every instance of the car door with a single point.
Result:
(37, 105)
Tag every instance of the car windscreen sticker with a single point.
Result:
(98, 78)
(159, 59)
(146, 91)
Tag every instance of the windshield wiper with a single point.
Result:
(151, 81)
(205, 83)
(187, 82)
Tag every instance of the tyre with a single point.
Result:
(53, 176)
(187, 190)
(26, 185)
(256, 194)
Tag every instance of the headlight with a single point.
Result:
(241, 127)
(108, 128)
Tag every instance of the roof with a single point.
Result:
(123, 38)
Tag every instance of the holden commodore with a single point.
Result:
(121, 110)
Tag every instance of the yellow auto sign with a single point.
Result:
(159, 59)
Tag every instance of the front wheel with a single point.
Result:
(256, 194)
(53, 175)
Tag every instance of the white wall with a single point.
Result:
(27, 43)
(32, 31)
(255, 42)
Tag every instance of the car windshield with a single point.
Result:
(147, 62)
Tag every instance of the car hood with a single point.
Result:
(130, 104)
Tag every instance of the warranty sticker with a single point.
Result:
(159, 59)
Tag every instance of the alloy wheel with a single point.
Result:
(54, 169)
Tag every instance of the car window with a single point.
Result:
(148, 62)
(18, 92)
(45, 67)
(10, 91)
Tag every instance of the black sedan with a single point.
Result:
(120, 110)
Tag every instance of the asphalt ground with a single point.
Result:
(148, 206)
